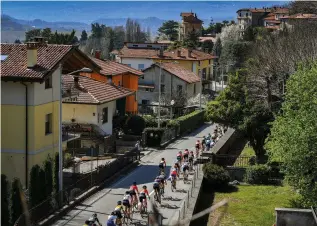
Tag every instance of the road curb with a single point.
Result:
(51, 219)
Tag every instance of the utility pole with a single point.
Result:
(159, 108)
(201, 88)
(222, 78)
(91, 161)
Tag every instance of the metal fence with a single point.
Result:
(169, 134)
(233, 160)
(101, 175)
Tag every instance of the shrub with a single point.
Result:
(215, 175)
(34, 188)
(136, 124)
(68, 159)
(48, 168)
(150, 121)
(15, 199)
(154, 136)
(5, 213)
(257, 174)
(56, 173)
(191, 121)
(172, 123)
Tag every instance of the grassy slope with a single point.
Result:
(251, 205)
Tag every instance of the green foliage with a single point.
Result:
(48, 168)
(84, 36)
(191, 121)
(5, 213)
(34, 187)
(234, 52)
(249, 34)
(191, 40)
(56, 173)
(136, 124)
(68, 159)
(216, 176)
(172, 123)
(16, 207)
(52, 38)
(293, 138)
(257, 174)
(207, 46)
(170, 29)
(153, 136)
(216, 51)
(150, 121)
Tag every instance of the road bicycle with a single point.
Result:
(143, 207)
(173, 184)
(134, 203)
(157, 196)
(126, 216)
(185, 176)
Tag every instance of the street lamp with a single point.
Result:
(87, 70)
(172, 103)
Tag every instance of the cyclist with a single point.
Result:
(203, 143)
(162, 165)
(173, 175)
(179, 157)
(126, 201)
(111, 219)
(93, 219)
(163, 181)
(185, 168)
(156, 185)
(118, 211)
(186, 152)
(208, 144)
(133, 191)
(143, 195)
(191, 158)
(177, 166)
(87, 222)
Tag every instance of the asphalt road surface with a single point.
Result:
(104, 202)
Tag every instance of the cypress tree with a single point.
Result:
(5, 213)
(16, 202)
(34, 188)
(55, 175)
(48, 168)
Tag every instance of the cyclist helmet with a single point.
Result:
(157, 177)
(119, 202)
(144, 187)
(180, 152)
(191, 152)
(87, 222)
(113, 213)
(127, 192)
(134, 183)
(163, 159)
(94, 215)
(186, 149)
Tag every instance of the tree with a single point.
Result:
(34, 188)
(216, 51)
(16, 207)
(46, 33)
(249, 34)
(48, 168)
(17, 41)
(234, 53)
(293, 138)
(29, 35)
(56, 173)
(207, 46)
(191, 40)
(84, 36)
(170, 29)
(5, 213)
(230, 33)
(303, 7)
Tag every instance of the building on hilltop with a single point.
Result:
(189, 23)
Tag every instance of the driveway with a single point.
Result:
(105, 200)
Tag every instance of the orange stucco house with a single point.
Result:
(120, 75)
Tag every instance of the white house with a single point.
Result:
(176, 82)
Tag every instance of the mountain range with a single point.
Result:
(12, 28)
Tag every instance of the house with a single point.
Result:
(30, 102)
(176, 82)
(93, 102)
(259, 17)
(120, 75)
(190, 59)
(190, 23)
(289, 21)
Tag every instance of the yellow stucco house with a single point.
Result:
(30, 97)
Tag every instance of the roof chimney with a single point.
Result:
(178, 53)
(76, 81)
(97, 54)
(40, 40)
(32, 53)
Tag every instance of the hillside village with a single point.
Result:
(75, 111)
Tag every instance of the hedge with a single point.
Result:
(191, 121)
(5, 212)
(216, 176)
(153, 136)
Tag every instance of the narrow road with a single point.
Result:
(105, 200)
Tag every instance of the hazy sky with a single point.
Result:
(84, 11)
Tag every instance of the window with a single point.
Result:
(162, 88)
(194, 89)
(145, 102)
(179, 88)
(246, 14)
(141, 66)
(48, 124)
(239, 14)
(147, 89)
(48, 82)
(135, 45)
(149, 46)
(129, 65)
(104, 115)
(119, 83)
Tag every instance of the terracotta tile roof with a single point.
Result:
(273, 27)
(186, 14)
(179, 71)
(15, 65)
(114, 51)
(301, 16)
(281, 11)
(137, 53)
(243, 9)
(202, 39)
(261, 10)
(91, 91)
(270, 17)
(114, 68)
(195, 55)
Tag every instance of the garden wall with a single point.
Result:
(294, 217)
